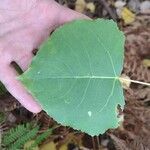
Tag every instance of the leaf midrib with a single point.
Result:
(78, 77)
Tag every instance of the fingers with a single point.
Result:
(25, 61)
(8, 78)
(11, 9)
(67, 15)
(56, 15)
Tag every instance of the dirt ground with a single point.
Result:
(134, 132)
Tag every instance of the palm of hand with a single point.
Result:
(22, 29)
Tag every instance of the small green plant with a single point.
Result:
(16, 137)
(2, 117)
(40, 138)
(2, 89)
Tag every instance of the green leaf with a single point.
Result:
(75, 75)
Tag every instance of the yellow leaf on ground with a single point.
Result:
(80, 6)
(64, 147)
(49, 146)
(127, 15)
(146, 62)
(28, 144)
(90, 6)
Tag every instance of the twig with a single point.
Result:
(98, 143)
(111, 13)
(93, 143)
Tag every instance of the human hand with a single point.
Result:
(24, 25)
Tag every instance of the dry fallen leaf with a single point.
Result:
(28, 145)
(145, 7)
(80, 6)
(49, 146)
(127, 16)
(91, 7)
(119, 4)
(146, 62)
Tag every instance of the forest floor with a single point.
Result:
(134, 132)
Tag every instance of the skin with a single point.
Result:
(24, 25)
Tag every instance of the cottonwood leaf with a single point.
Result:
(75, 75)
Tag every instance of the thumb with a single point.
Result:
(67, 15)
(8, 78)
